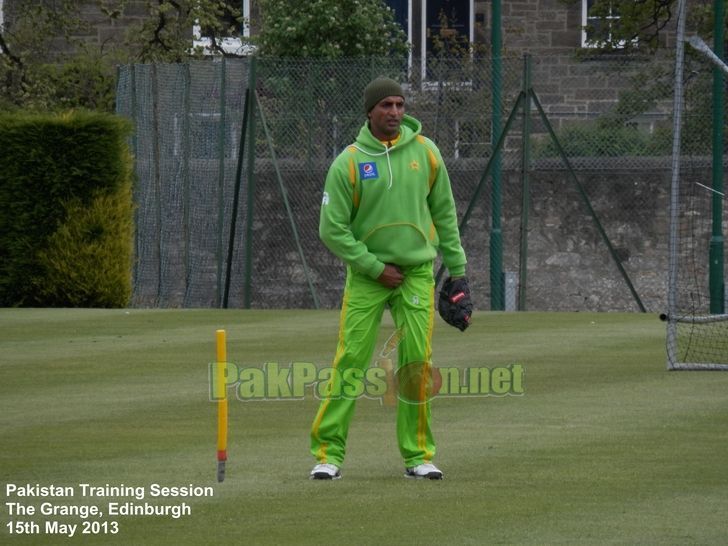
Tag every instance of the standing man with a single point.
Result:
(387, 209)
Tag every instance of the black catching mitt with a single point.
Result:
(455, 305)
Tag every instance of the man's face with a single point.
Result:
(386, 117)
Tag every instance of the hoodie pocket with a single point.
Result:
(401, 243)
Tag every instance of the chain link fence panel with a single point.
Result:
(595, 156)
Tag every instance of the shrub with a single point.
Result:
(65, 210)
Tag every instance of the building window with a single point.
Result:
(238, 45)
(598, 29)
(443, 25)
(402, 14)
(448, 31)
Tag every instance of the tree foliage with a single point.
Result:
(47, 61)
(329, 29)
(165, 34)
(29, 48)
(642, 22)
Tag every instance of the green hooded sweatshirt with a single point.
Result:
(391, 204)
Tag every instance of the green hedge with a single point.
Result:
(65, 210)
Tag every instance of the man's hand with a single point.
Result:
(391, 277)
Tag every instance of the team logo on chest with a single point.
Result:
(368, 171)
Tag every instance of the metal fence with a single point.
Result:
(582, 181)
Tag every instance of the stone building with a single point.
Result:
(539, 27)
(551, 31)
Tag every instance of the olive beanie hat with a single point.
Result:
(379, 89)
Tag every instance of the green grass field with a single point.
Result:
(604, 447)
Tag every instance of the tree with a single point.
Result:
(47, 63)
(165, 35)
(641, 22)
(639, 26)
(29, 64)
(329, 29)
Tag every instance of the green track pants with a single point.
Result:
(412, 306)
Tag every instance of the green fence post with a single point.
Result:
(248, 275)
(236, 197)
(186, 150)
(525, 183)
(157, 179)
(134, 150)
(221, 183)
(716, 269)
(497, 284)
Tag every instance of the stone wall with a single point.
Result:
(569, 267)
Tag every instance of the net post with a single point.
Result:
(673, 243)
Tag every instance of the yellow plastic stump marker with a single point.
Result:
(222, 404)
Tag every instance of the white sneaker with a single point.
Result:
(426, 470)
(325, 471)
